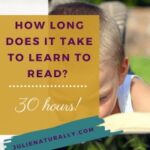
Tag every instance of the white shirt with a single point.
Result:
(124, 94)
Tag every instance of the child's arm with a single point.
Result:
(140, 95)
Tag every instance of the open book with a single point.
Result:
(129, 123)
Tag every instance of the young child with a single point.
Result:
(119, 91)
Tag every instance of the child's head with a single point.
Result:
(113, 64)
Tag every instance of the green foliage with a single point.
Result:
(93, 1)
(141, 67)
(127, 2)
(120, 142)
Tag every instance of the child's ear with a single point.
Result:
(123, 70)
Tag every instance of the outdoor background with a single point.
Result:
(137, 48)
(137, 35)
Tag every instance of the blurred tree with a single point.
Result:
(127, 2)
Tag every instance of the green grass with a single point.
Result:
(141, 66)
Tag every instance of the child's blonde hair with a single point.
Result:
(110, 39)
